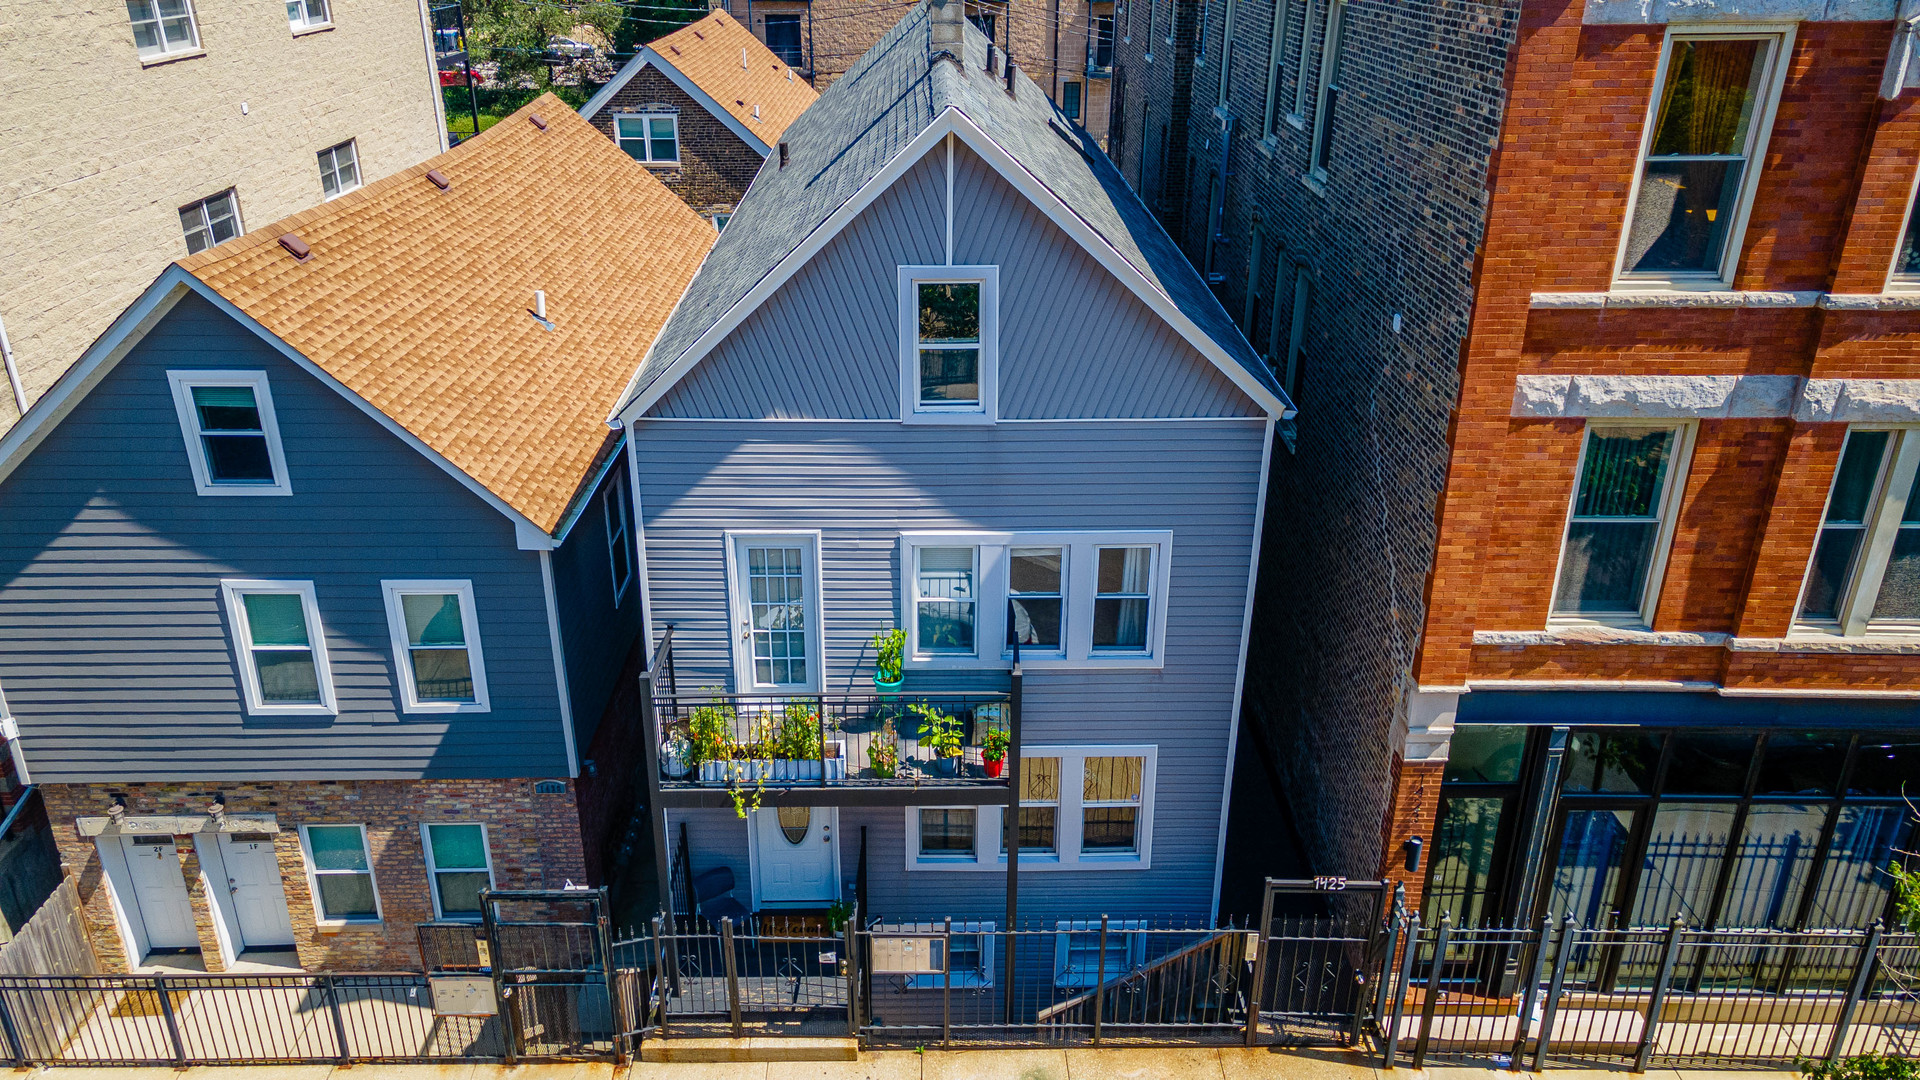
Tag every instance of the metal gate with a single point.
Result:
(1322, 943)
(761, 978)
(552, 972)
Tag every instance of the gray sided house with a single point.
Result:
(943, 372)
(297, 660)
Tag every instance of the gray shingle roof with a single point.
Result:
(867, 117)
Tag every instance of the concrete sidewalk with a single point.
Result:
(1180, 1063)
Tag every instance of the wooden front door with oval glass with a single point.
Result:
(796, 856)
(259, 899)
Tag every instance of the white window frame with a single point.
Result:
(1897, 282)
(1778, 61)
(306, 23)
(987, 409)
(167, 51)
(990, 625)
(1135, 944)
(1889, 502)
(330, 158)
(239, 224)
(615, 507)
(391, 592)
(232, 592)
(1669, 503)
(182, 384)
(314, 874)
(647, 119)
(433, 872)
(945, 857)
(740, 616)
(1068, 824)
(971, 979)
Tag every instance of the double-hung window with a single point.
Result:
(1081, 807)
(340, 874)
(213, 220)
(949, 322)
(619, 536)
(459, 866)
(1705, 135)
(280, 647)
(653, 138)
(1864, 576)
(339, 170)
(232, 437)
(1073, 599)
(163, 27)
(1328, 102)
(307, 14)
(1276, 67)
(1905, 275)
(1625, 500)
(436, 646)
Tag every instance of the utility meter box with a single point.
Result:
(901, 954)
(463, 995)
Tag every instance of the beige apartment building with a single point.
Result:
(1064, 46)
(139, 131)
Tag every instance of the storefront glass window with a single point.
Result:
(1605, 761)
(1464, 845)
(1884, 766)
(1488, 754)
(1802, 764)
(1682, 863)
(1709, 764)
(1593, 852)
(1770, 869)
(1854, 883)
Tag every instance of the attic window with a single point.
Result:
(233, 441)
(651, 138)
(949, 325)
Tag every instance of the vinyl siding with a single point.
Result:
(595, 634)
(861, 485)
(1074, 342)
(114, 647)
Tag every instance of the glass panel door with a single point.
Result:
(1465, 841)
(777, 644)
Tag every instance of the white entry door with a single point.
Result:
(259, 900)
(796, 856)
(160, 892)
(776, 613)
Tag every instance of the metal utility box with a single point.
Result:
(908, 955)
(462, 995)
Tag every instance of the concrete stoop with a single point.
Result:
(687, 1051)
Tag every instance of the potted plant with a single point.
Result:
(889, 649)
(993, 747)
(710, 742)
(940, 734)
(883, 752)
(796, 746)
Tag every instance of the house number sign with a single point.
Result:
(1329, 884)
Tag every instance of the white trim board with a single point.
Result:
(646, 57)
(951, 121)
(142, 315)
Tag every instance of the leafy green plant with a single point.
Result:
(1866, 1067)
(889, 650)
(993, 745)
(710, 734)
(744, 798)
(883, 752)
(838, 913)
(797, 736)
(939, 731)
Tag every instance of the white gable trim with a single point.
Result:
(647, 57)
(134, 323)
(952, 121)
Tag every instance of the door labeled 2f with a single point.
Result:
(160, 892)
(259, 899)
(775, 589)
(796, 856)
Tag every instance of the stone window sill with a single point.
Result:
(168, 58)
(351, 927)
(305, 30)
(1674, 298)
(1595, 634)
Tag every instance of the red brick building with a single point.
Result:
(1604, 323)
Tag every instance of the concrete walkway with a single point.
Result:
(1168, 1064)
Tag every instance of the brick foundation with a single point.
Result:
(534, 841)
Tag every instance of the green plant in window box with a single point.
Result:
(710, 738)
(940, 733)
(883, 751)
(889, 649)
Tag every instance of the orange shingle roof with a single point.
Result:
(709, 53)
(419, 299)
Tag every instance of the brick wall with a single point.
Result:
(1151, 116)
(534, 842)
(102, 151)
(716, 165)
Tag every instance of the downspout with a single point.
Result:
(1056, 54)
(19, 400)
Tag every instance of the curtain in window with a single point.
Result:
(1696, 162)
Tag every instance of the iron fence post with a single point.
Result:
(1669, 953)
(1259, 993)
(1410, 928)
(331, 987)
(1432, 1001)
(660, 968)
(1856, 990)
(1100, 982)
(1528, 989)
(173, 1026)
(946, 983)
(1391, 927)
(851, 944)
(16, 1046)
(733, 974)
(1563, 951)
(603, 927)
(502, 991)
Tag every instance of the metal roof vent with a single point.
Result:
(538, 120)
(539, 309)
(743, 58)
(783, 155)
(438, 179)
(296, 247)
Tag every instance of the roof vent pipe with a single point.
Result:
(948, 18)
(783, 155)
(743, 58)
(756, 112)
(540, 303)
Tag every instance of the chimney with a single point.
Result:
(949, 20)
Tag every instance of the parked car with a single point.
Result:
(563, 48)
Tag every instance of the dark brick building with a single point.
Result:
(1601, 321)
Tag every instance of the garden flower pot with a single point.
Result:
(946, 766)
(885, 687)
(995, 768)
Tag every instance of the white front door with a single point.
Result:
(259, 900)
(160, 892)
(796, 856)
(776, 613)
